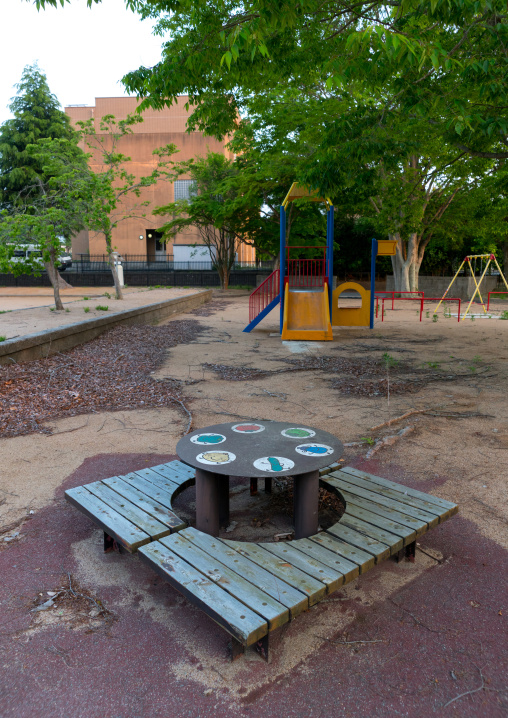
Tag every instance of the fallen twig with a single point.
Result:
(189, 425)
(348, 643)
(467, 693)
(389, 441)
(411, 412)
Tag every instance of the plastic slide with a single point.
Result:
(306, 315)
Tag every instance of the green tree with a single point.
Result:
(215, 208)
(37, 116)
(52, 208)
(113, 181)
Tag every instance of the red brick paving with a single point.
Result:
(438, 641)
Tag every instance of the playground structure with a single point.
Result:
(303, 287)
(467, 261)
(351, 316)
(309, 306)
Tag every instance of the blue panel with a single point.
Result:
(282, 263)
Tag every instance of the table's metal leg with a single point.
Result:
(268, 485)
(223, 482)
(207, 502)
(253, 487)
(306, 500)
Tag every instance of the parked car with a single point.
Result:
(33, 255)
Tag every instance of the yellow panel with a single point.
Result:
(386, 247)
(298, 191)
(306, 316)
(351, 316)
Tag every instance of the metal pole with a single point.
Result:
(329, 243)
(477, 290)
(282, 263)
(306, 501)
(207, 502)
(372, 280)
(449, 286)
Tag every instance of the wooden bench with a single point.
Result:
(134, 509)
(251, 589)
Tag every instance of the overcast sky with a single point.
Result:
(83, 52)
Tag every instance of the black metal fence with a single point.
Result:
(143, 263)
(205, 279)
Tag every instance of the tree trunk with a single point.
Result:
(54, 277)
(405, 269)
(505, 258)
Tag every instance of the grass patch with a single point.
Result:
(102, 308)
(2, 338)
(86, 309)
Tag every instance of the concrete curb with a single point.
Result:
(50, 341)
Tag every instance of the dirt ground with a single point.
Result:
(25, 310)
(405, 639)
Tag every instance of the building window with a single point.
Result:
(184, 189)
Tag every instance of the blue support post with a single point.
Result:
(329, 245)
(372, 280)
(282, 263)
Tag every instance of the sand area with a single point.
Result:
(424, 403)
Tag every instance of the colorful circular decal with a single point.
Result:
(274, 464)
(297, 433)
(248, 428)
(216, 458)
(314, 450)
(208, 439)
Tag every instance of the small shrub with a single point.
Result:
(107, 295)
(102, 308)
(504, 314)
(389, 361)
(2, 338)
(368, 439)
(434, 318)
(52, 309)
(86, 299)
(86, 309)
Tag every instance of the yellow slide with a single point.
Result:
(306, 315)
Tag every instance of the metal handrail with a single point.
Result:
(264, 294)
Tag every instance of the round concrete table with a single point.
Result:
(257, 450)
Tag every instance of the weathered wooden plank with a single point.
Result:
(379, 550)
(440, 503)
(242, 623)
(328, 469)
(348, 569)
(351, 553)
(390, 493)
(340, 480)
(179, 466)
(176, 471)
(157, 479)
(395, 543)
(257, 600)
(123, 531)
(128, 510)
(290, 597)
(162, 494)
(419, 526)
(146, 503)
(407, 534)
(314, 589)
(332, 579)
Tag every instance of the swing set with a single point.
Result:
(468, 261)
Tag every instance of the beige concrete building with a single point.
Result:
(139, 236)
